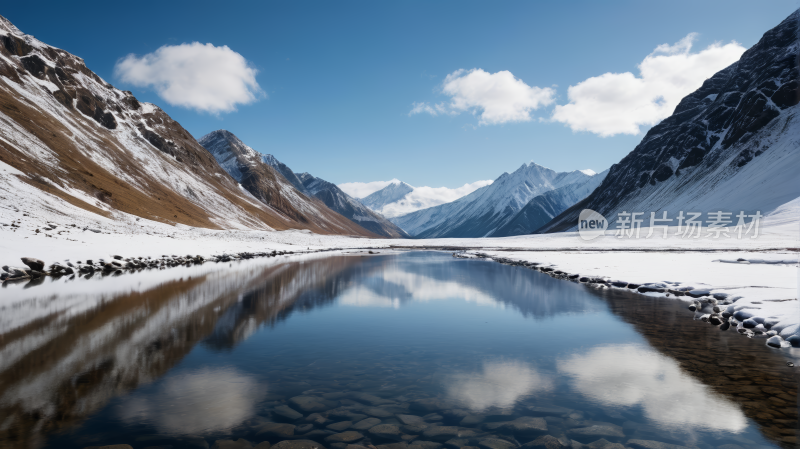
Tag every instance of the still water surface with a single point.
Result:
(185, 357)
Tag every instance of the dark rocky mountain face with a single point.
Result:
(740, 115)
(336, 199)
(265, 183)
(543, 208)
(285, 171)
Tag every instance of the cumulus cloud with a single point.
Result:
(425, 197)
(495, 97)
(619, 103)
(195, 76)
(364, 189)
(419, 198)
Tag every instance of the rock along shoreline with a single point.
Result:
(716, 309)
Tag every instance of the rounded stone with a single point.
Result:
(298, 444)
(386, 431)
(496, 443)
(311, 404)
(440, 433)
(345, 437)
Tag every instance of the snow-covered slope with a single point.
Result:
(84, 143)
(485, 210)
(392, 193)
(399, 198)
(285, 171)
(263, 182)
(542, 208)
(274, 183)
(733, 145)
(336, 199)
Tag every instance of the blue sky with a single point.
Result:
(339, 79)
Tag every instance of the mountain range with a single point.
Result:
(300, 197)
(490, 208)
(732, 145)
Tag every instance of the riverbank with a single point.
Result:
(761, 273)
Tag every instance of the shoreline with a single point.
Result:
(727, 311)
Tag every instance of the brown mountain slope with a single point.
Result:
(77, 137)
(269, 186)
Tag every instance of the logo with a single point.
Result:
(591, 224)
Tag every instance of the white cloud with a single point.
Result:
(425, 197)
(496, 97)
(364, 189)
(195, 76)
(619, 103)
(419, 198)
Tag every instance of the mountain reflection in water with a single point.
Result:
(483, 337)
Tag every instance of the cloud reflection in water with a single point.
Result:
(630, 375)
(396, 286)
(498, 384)
(202, 401)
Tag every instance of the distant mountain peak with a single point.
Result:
(588, 172)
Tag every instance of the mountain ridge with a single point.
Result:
(730, 145)
(486, 209)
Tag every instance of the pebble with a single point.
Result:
(650, 444)
(698, 293)
(749, 323)
(287, 412)
(345, 437)
(609, 430)
(366, 424)
(495, 443)
(377, 412)
(456, 443)
(441, 433)
(339, 426)
(303, 428)
(526, 425)
(311, 404)
(298, 444)
(241, 443)
(775, 341)
(386, 431)
(316, 418)
(424, 445)
(547, 442)
(401, 445)
(428, 405)
(412, 420)
(279, 430)
(34, 264)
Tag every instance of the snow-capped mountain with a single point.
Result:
(392, 193)
(732, 145)
(399, 198)
(336, 199)
(265, 183)
(285, 171)
(485, 210)
(84, 143)
(543, 208)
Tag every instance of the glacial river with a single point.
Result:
(415, 350)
